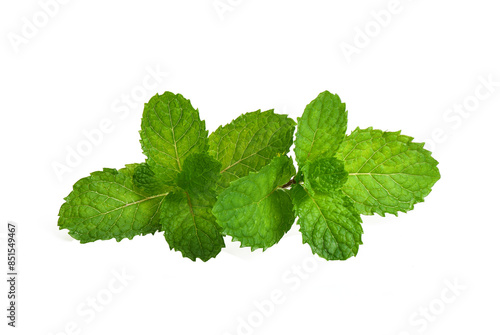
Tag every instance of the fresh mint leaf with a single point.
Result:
(388, 173)
(250, 142)
(186, 215)
(107, 205)
(255, 210)
(321, 129)
(325, 175)
(146, 180)
(328, 223)
(171, 130)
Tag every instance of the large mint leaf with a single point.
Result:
(388, 173)
(328, 223)
(171, 130)
(254, 209)
(108, 204)
(250, 142)
(321, 129)
(186, 215)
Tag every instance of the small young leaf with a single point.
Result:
(171, 130)
(146, 180)
(325, 175)
(250, 142)
(186, 215)
(321, 129)
(328, 223)
(388, 173)
(109, 205)
(254, 209)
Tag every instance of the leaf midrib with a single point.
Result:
(128, 205)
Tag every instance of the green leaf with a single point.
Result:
(388, 173)
(329, 223)
(325, 175)
(321, 129)
(146, 180)
(109, 205)
(249, 143)
(186, 215)
(254, 209)
(171, 130)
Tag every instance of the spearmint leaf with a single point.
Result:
(107, 205)
(328, 223)
(186, 215)
(171, 130)
(250, 142)
(254, 209)
(388, 173)
(321, 129)
(325, 175)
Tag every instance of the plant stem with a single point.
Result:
(292, 181)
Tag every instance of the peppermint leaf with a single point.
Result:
(186, 215)
(388, 173)
(328, 223)
(250, 142)
(107, 205)
(255, 210)
(321, 129)
(171, 130)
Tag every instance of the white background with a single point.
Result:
(74, 71)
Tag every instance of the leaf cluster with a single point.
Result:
(240, 181)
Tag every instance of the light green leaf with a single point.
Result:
(107, 205)
(171, 130)
(186, 215)
(249, 143)
(325, 175)
(254, 209)
(388, 173)
(329, 223)
(321, 129)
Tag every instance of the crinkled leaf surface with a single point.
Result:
(321, 129)
(254, 209)
(107, 205)
(250, 142)
(388, 173)
(186, 215)
(146, 180)
(171, 130)
(328, 223)
(325, 175)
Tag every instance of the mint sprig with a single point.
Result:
(240, 182)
